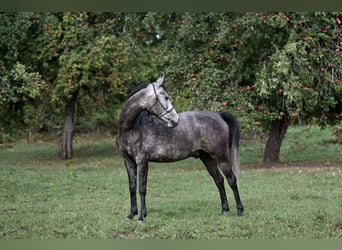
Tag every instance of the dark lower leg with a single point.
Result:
(214, 172)
(233, 185)
(143, 212)
(132, 173)
(142, 192)
(223, 196)
(133, 196)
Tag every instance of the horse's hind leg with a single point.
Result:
(228, 172)
(211, 166)
(132, 176)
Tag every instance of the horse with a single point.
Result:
(150, 130)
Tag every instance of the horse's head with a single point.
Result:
(162, 105)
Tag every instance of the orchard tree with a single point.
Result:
(270, 69)
(194, 59)
(20, 85)
(88, 62)
(90, 59)
(298, 76)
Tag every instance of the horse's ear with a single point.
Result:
(160, 81)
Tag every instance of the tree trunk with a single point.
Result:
(275, 138)
(68, 129)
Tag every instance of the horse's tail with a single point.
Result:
(234, 140)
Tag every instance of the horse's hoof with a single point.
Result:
(223, 213)
(130, 217)
(239, 213)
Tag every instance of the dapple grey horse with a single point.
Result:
(150, 130)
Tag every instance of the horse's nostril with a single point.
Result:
(174, 124)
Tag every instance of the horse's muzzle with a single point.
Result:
(173, 123)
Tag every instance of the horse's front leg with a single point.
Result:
(131, 168)
(142, 172)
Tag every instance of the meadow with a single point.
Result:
(42, 197)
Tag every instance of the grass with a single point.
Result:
(87, 197)
(301, 145)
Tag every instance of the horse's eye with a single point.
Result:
(167, 98)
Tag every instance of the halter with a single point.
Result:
(158, 101)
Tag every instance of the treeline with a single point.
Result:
(61, 70)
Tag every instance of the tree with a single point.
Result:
(271, 69)
(20, 86)
(87, 55)
(88, 62)
(300, 79)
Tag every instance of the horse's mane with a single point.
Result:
(140, 87)
(137, 89)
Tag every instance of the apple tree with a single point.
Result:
(20, 85)
(269, 69)
(298, 76)
(89, 60)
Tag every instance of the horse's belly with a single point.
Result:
(169, 155)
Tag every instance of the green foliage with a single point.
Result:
(92, 53)
(97, 55)
(14, 29)
(19, 97)
(260, 66)
(20, 85)
(306, 86)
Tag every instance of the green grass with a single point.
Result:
(301, 144)
(310, 144)
(87, 197)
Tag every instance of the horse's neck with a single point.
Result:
(132, 108)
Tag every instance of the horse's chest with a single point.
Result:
(129, 143)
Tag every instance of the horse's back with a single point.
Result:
(203, 121)
(207, 127)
